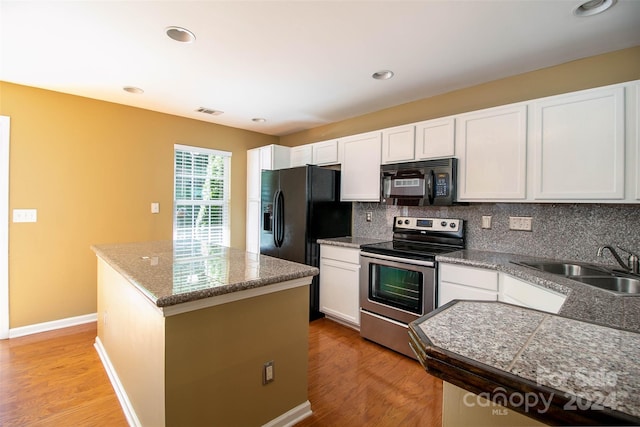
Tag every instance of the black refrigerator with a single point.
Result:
(300, 205)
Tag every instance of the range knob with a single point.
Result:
(399, 222)
(406, 221)
(443, 223)
(452, 225)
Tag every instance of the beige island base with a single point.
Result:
(201, 361)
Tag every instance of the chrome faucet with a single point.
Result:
(632, 265)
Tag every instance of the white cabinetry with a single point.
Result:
(325, 152)
(339, 282)
(525, 294)
(579, 145)
(319, 153)
(398, 144)
(435, 138)
(466, 283)
(258, 159)
(491, 147)
(360, 180)
(301, 155)
(471, 283)
(430, 139)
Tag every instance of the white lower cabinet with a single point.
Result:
(525, 294)
(466, 283)
(470, 283)
(339, 284)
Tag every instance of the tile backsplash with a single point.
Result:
(562, 231)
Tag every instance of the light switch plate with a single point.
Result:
(25, 215)
(486, 221)
(155, 207)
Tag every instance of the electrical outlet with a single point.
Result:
(522, 223)
(369, 216)
(268, 374)
(486, 221)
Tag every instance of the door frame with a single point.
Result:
(4, 225)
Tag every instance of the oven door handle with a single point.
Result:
(397, 259)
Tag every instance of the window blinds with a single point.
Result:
(201, 195)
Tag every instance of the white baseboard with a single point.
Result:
(125, 403)
(53, 325)
(292, 416)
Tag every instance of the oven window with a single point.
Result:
(396, 287)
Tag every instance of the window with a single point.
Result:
(201, 194)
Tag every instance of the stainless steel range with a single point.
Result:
(398, 279)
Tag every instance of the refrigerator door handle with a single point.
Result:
(275, 219)
(280, 219)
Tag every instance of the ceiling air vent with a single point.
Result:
(210, 111)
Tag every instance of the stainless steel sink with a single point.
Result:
(593, 275)
(564, 269)
(623, 285)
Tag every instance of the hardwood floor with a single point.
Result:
(56, 379)
(354, 382)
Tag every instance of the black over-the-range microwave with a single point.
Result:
(425, 183)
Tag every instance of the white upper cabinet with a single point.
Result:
(430, 139)
(325, 152)
(435, 138)
(360, 180)
(398, 144)
(491, 146)
(301, 155)
(579, 146)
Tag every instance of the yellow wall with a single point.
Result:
(601, 70)
(91, 169)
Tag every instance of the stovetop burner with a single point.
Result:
(421, 238)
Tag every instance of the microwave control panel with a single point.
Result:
(442, 184)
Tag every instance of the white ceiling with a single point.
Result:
(299, 64)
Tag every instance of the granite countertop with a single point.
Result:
(493, 348)
(583, 302)
(175, 272)
(349, 241)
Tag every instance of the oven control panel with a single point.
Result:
(426, 224)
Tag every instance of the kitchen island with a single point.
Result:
(554, 369)
(186, 329)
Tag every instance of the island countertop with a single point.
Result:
(588, 373)
(175, 272)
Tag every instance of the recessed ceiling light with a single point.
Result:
(133, 89)
(593, 7)
(382, 75)
(180, 34)
(259, 119)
